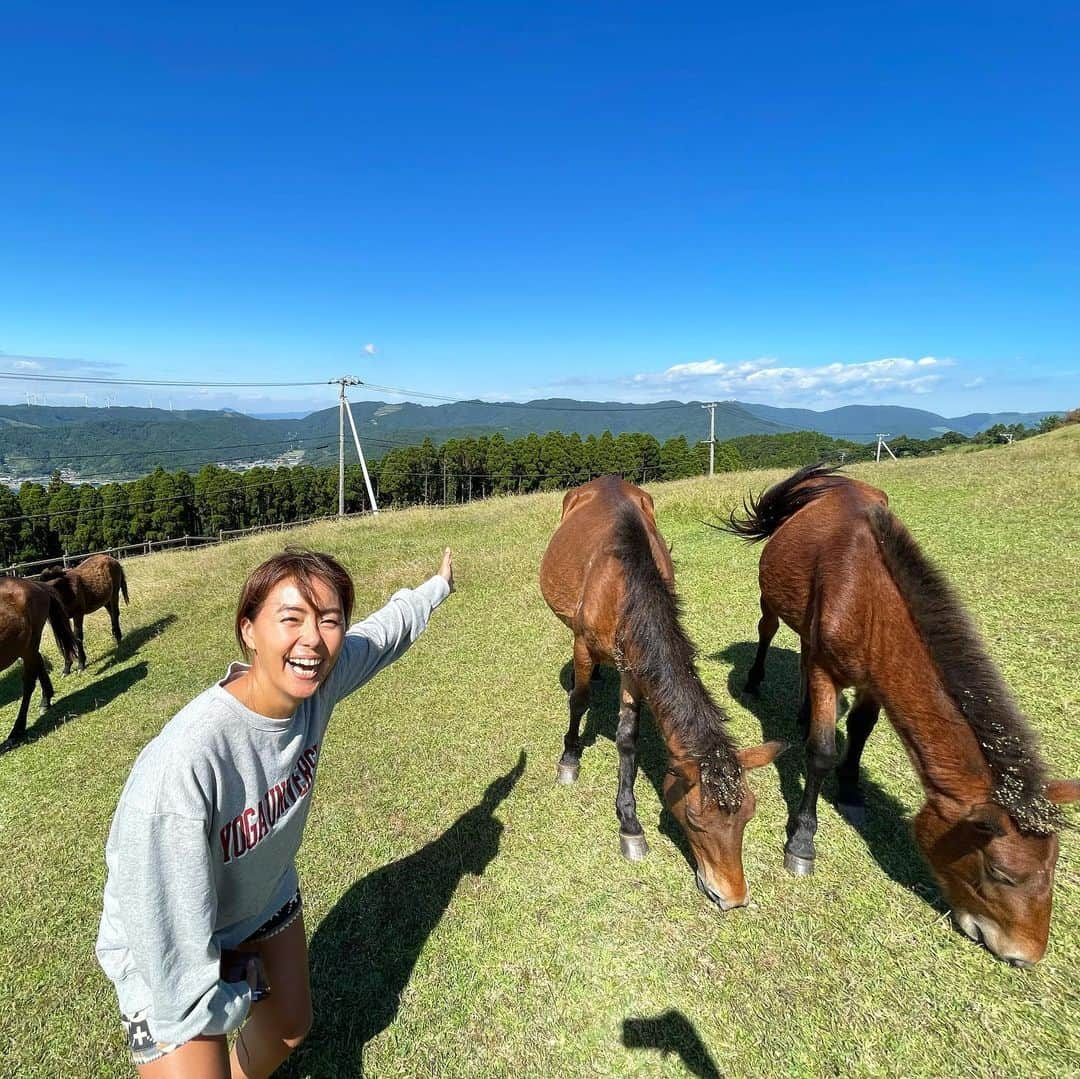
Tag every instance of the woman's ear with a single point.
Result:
(247, 632)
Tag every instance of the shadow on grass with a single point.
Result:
(67, 707)
(11, 682)
(892, 847)
(133, 640)
(602, 720)
(363, 953)
(671, 1032)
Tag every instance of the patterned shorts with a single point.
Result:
(141, 1044)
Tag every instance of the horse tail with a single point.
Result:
(123, 586)
(762, 516)
(61, 627)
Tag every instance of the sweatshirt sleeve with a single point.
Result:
(385, 635)
(168, 903)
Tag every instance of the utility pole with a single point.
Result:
(711, 406)
(343, 411)
(882, 443)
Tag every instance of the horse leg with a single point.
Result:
(114, 618)
(860, 722)
(804, 693)
(766, 628)
(32, 663)
(570, 762)
(631, 836)
(78, 620)
(799, 851)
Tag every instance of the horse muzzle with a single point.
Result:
(711, 894)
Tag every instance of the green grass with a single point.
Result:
(458, 938)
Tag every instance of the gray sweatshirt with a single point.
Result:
(201, 849)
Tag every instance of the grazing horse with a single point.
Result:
(96, 582)
(608, 575)
(25, 606)
(873, 613)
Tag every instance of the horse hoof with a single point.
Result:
(796, 866)
(567, 773)
(854, 813)
(633, 847)
(7, 745)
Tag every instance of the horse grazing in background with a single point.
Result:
(25, 606)
(608, 575)
(96, 582)
(872, 612)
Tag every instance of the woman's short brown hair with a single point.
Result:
(303, 567)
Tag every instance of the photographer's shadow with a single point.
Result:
(776, 707)
(363, 953)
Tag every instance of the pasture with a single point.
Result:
(469, 917)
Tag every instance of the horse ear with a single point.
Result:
(1063, 791)
(756, 756)
(988, 817)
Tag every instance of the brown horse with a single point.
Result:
(96, 582)
(872, 612)
(608, 575)
(25, 606)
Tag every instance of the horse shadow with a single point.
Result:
(776, 708)
(69, 706)
(602, 720)
(671, 1032)
(363, 953)
(133, 640)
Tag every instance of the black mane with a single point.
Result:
(762, 516)
(658, 652)
(970, 678)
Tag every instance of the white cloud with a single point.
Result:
(370, 349)
(767, 378)
(975, 383)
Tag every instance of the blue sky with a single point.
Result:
(805, 205)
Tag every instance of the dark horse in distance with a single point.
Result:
(608, 575)
(873, 613)
(25, 607)
(97, 582)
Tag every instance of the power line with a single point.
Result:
(131, 453)
(97, 381)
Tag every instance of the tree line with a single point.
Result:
(44, 521)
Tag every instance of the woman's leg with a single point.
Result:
(279, 1023)
(200, 1058)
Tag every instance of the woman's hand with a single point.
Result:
(244, 966)
(446, 569)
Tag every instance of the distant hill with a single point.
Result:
(120, 443)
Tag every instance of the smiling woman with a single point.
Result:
(203, 923)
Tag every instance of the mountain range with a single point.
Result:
(121, 443)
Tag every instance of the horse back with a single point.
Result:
(581, 579)
(822, 574)
(97, 582)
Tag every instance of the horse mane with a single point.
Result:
(53, 573)
(662, 656)
(970, 678)
(763, 515)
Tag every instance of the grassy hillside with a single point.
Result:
(454, 936)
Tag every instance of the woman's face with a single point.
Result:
(293, 645)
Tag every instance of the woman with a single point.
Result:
(202, 925)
